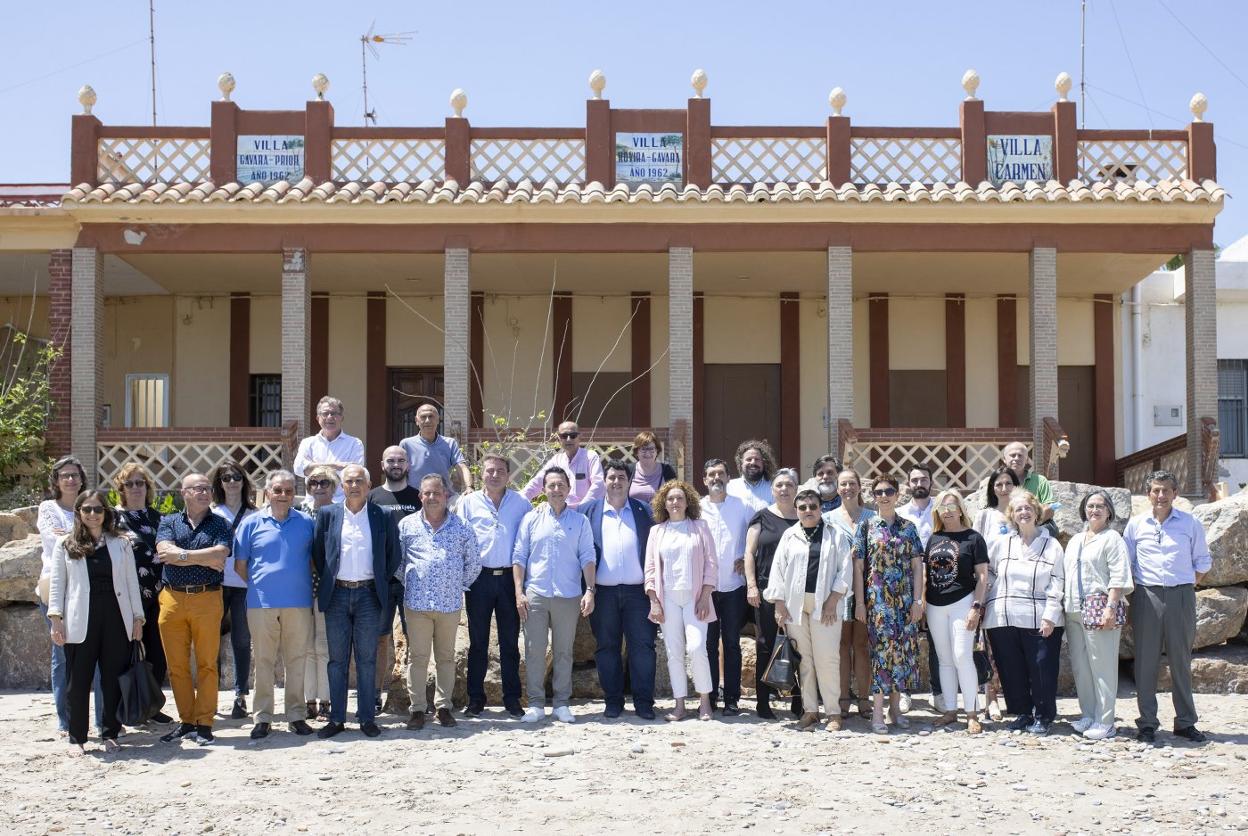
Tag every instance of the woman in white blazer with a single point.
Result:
(96, 609)
(810, 576)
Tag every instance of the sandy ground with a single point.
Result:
(496, 775)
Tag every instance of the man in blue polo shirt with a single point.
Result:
(430, 452)
(273, 551)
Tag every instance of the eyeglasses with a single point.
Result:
(91, 509)
(318, 484)
(885, 491)
(231, 477)
(649, 448)
(949, 509)
(197, 489)
(569, 436)
(327, 414)
(135, 483)
(71, 475)
(808, 507)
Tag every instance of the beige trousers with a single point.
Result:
(288, 629)
(436, 630)
(820, 668)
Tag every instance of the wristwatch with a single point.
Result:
(182, 556)
(975, 605)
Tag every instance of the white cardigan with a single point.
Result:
(788, 571)
(70, 590)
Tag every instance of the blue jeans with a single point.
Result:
(235, 600)
(60, 685)
(353, 624)
(493, 595)
(730, 609)
(621, 613)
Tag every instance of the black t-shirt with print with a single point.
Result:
(951, 559)
(406, 501)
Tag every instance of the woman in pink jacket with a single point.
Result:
(680, 576)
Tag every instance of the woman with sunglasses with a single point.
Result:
(888, 598)
(137, 518)
(231, 501)
(96, 608)
(322, 483)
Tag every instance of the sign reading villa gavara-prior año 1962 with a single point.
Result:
(267, 159)
(1017, 159)
(649, 158)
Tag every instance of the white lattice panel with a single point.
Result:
(905, 160)
(1147, 160)
(125, 160)
(959, 465)
(768, 160)
(388, 160)
(539, 160)
(527, 457)
(168, 462)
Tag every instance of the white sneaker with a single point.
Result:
(904, 703)
(1098, 731)
(534, 715)
(564, 714)
(1082, 725)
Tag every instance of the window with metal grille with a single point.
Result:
(147, 400)
(265, 400)
(1233, 407)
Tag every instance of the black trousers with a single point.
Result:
(765, 629)
(107, 644)
(730, 609)
(1028, 664)
(152, 645)
(493, 595)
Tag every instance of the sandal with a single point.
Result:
(946, 719)
(111, 746)
(879, 728)
(899, 720)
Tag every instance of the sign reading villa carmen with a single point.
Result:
(1017, 159)
(649, 158)
(267, 159)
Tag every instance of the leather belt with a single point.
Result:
(192, 590)
(353, 584)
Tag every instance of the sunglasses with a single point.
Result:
(569, 436)
(135, 483)
(807, 507)
(231, 477)
(317, 484)
(281, 491)
(91, 509)
(885, 491)
(197, 489)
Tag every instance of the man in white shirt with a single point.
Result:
(583, 466)
(728, 518)
(755, 462)
(331, 446)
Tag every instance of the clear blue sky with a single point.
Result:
(527, 64)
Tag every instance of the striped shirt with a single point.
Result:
(1027, 582)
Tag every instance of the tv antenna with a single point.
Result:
(368, 44)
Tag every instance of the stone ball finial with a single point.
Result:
(837, 99)
(459, 101)
(1063, 84)
(1198, 105)
(320, 83)
(597, 83)
(86, 98)
(698, 80)
(970, 83)
(225, 83)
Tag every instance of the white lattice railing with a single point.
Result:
(148, 160)
(529, 455)
(959, 458)
(776, 159)
(539, 160)
(168, 454)
(388, 160)
(929, 160)
(1147, 160)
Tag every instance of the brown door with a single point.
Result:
(742, 401)
(1076, 412)
(409, 388)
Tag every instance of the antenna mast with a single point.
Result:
(151, 38)
(1083, 47)
(368, 42)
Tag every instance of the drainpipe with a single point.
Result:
(1137, 368)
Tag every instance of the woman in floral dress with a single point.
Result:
(888, 595)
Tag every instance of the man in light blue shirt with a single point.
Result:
(1169, 556)
(429, 452)
(554, 552)
(273, 552)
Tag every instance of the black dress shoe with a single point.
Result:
(445, 718)
(301, 728)
(514, 710)
(731, 709)
(416, 721)
(795, 706)
(183, 730)
(1021, 722)
(611, 712)
(329, 730)
(645, 713)
(239, 711)
(764, 711)
(1146, 735)
(474, 709)
(259, 730)
(1191, 733)
(370, 729)
(161, 717)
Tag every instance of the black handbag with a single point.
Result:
(781, 672)
(983, 663)
(141, 695)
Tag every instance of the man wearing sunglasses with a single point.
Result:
(583, 466)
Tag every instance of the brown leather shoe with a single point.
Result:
(416, 721)
(808, 720)
(835, 724)
(445, 718)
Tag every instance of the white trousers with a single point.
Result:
(820, 668)
(682, 630)
(316, 664)
(955, 647)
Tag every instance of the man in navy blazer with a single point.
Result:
(356, 553)
(621, 526)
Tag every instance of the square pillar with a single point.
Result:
(456, 324)
(680, 354)
(840, 342)
(1043, 356)
(296, 340)
(1202, 360)
(86, 359)
(60, 380)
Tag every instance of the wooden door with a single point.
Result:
(742, 400)
(410, 388)
(1076, 412)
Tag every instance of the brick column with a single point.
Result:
(1202, 358)
(1043, 341)
(457, 304)
(86, 361)
(840, 342)
(60, 307)
(680, 348)
(296, 339)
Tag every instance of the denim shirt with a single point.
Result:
(554, 551)
(438, 566)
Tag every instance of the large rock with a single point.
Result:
(1220, 615)
(1218, 670)
(12, 527)
(1226, 531)
(25, 648)
(20, 564)
(28, 515)
(1070, 494)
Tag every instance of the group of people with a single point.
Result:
(848, 578)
